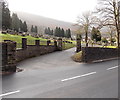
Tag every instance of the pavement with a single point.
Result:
(55, 75)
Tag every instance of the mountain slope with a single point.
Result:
(43, 22)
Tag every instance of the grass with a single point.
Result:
(109, 46)
(18, 39)
(68, 46)
(77, 57)
(31, 40)
(74, 42)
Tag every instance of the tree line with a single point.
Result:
(58, 32)
(12, 22)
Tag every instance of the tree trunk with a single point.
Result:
(86, 39)
(116, 15)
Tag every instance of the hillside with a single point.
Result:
(43, 22)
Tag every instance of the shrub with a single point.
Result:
(104, 40)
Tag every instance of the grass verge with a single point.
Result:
(68, 46)
(77, 57)
(30, 40)
(18, 39)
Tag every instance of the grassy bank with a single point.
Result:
(31, 40)
(18, 39)
(77, 57)
(68, 45)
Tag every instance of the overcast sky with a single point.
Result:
(65, 10)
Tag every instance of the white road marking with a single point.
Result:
(9, 93)
(112, 68)
(78, 76)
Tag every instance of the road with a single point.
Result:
(55, 75)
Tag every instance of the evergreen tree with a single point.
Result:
(62, 33)
(6, 19)
(59, 32)
(25, 26)
(48, 31)
(36, 29)
(98, 36)
(95, 34)
(21, 25)
(69, 33)
(32, 29)
(45, 31)
(51, 32)
(56, 31)
(66, 33)
(15, 22)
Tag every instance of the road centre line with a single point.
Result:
(9, 93)
(112, 68)
(78, 76)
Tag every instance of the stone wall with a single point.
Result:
(29, 51)
(11, 56)
(90, 54)
(33, 51)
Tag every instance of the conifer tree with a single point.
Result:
(95, 34)
(6, 18)
(15, 22)
(25, 26)
(62, 33)
(36, 29)
(32, 29)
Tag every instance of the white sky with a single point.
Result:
(65, 10)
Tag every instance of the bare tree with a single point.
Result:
(109, 12)
(85, 21)
(111, 31)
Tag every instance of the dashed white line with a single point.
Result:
(78, 76)
(112, 68)
(9, 93)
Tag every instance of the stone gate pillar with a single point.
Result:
(55, 43)
(60, 44)
(10, 65)
(48, 42)
(4, 57)
(37, 42)
(78, 45)
(24, 43)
